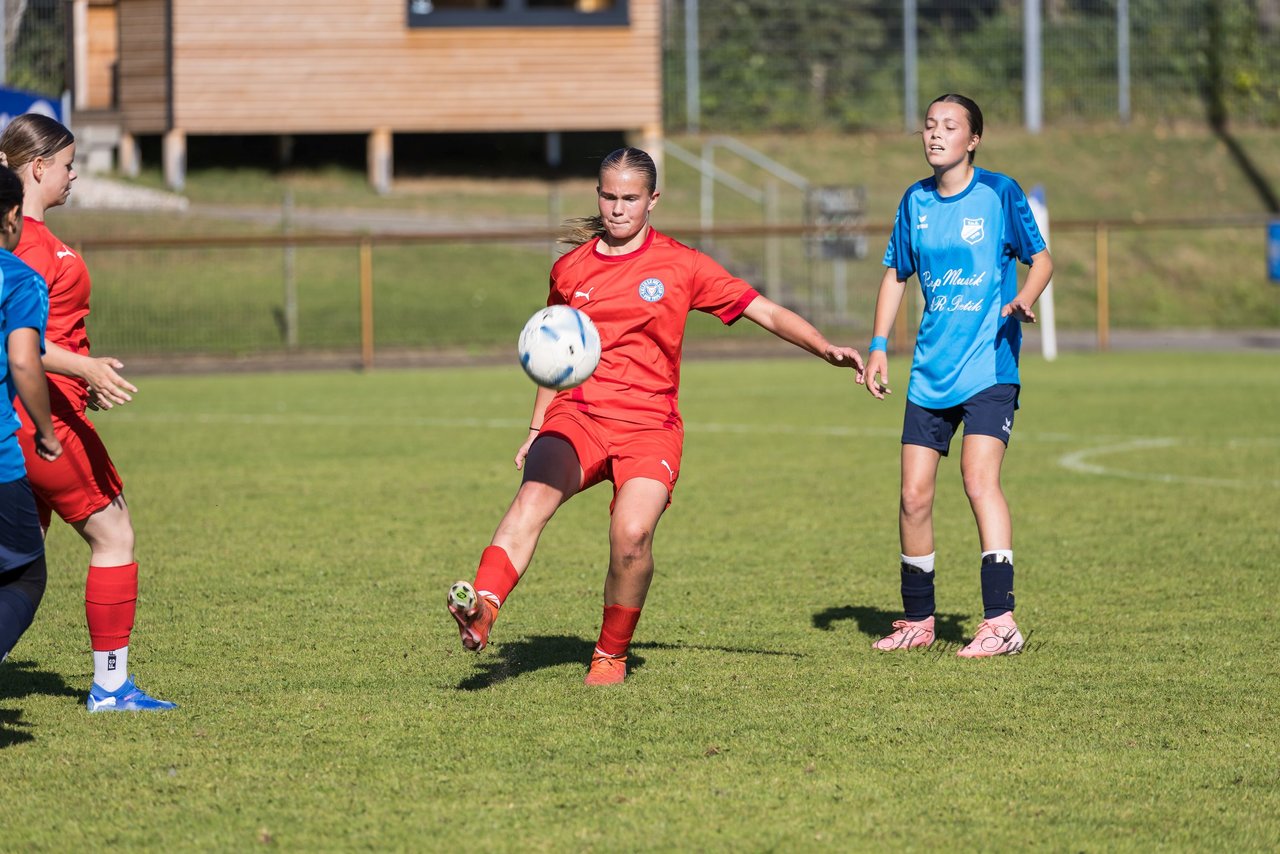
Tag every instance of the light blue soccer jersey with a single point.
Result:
(24, 302)
(964, 250)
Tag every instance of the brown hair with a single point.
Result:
(30, 136)
(578, 231)
(10, 190)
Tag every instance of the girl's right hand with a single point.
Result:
(877, 366)
(48, 448)
(524, 450)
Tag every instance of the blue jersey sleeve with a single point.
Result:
(1022, 235)
(898, 254)
(24, 303)
(29, 308)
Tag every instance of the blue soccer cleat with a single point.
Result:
(127, 698)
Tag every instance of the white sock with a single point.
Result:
(1001, 555)
(924, 563)
(110, 667)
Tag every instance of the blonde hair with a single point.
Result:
(579, 230)
(30, 136)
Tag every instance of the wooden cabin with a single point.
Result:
(176, 69)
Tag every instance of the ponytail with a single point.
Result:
(577, 231)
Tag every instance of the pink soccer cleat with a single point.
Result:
(907, 635)
(996, 636)
(474, 613)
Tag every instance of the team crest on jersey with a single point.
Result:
(651, 290)
(971, 231)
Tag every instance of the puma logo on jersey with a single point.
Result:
(586, 295)
(667, 466)
(63, 253)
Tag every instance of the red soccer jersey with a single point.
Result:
(639, 302)
(68, 279)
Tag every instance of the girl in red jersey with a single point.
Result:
(622, 424)
(82, 486)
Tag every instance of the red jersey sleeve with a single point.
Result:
(719, 292)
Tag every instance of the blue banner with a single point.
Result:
(1273, 250)
(14, 102)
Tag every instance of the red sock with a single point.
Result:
(618, 627)
(110, 599)
(496, 575)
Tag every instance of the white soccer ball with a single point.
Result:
(559, 347)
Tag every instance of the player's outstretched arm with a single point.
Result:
(1037, 280)
(33, 388)
(106, 387)
(791, 327)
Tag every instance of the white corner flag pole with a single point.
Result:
(1048, 333)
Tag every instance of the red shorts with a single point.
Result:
(80, 482)
(614, 450)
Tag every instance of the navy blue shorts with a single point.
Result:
(21, 540)
(987, 413)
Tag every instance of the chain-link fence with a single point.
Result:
(761, 65)
(36, 37)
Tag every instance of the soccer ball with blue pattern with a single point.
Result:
(559, 347)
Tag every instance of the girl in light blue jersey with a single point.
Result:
(24, 307)
(961, 232)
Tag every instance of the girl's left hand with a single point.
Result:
(1019, 309)
(106, 387)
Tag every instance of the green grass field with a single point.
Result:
(298, 533)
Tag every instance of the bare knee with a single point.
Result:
(109, 533)
(980, 487)
(631, 541)
(916, 501)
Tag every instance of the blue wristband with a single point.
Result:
(879, 343)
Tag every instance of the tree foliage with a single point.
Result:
(818, 64)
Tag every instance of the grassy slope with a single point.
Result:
(474, 295)
(297, 533)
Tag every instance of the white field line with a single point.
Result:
(1081, 461)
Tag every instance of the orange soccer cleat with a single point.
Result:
(607, 669)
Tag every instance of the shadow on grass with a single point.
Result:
(1214, 83)
(877, 622)
(20, 679)
(526, 655)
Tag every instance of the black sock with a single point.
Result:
(917, 593)
(21, 590)
(997, 587)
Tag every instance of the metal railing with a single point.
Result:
(377, 293)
